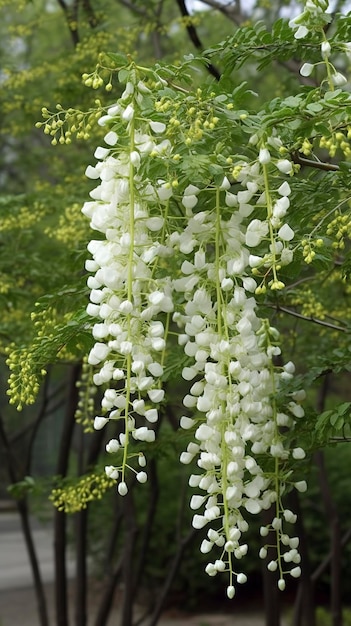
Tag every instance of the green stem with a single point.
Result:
(129, 295)
(269, 216)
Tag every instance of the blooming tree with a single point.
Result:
(202, 231)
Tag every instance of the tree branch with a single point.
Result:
(192, 32)
(71, 16)
(232, 11)
(319, 165)
(282, 309)
(132, 7)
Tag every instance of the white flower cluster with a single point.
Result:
(306, 20)
(314, 17)
(125, 296)
(219, 248)
(231, 354)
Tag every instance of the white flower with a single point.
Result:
(112, 446)
(255, 232)
(199, 521)
(164, 192)
(306, 69)
(284, 189)
(156, 395)
(301, 486)
(122, 488)
(325, 49)
(128, 113)
(286, 233)
(189, 201)
(284, 166)
(98, 353)
(339, 79)
(301, 32)
(100, 422)
(298, 453)
(264, 156)
(111, 471)
(141, 477)
(186, 422)
(157, 127)
(295, 572)
(111, 138)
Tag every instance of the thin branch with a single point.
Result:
(71, 16)
(325, 563)
(92, 19)
(319, 165)
(283, 309)
(192, 32)
(233, 13)
(132, 7)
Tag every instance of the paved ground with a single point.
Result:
(17, 599)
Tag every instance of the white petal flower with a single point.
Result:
(284, 189)
(255, 232)
(284, 166)
(264, 156)
(112, 446)
(325, 49)
(301, 32)
(156, 395)
(157, 127)
(164, 192)
(111, 471)
(189, 201)
(298, 453)
(128, 113)
(301, 486)
(339, 79)
(151, 415)
(286, 233)
(100, 422)
(111, 138)
(199, 521)
(92, 172)
(141, 477)
(186, 422)
(122, 489)
(306, 69)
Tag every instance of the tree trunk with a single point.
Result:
(22, 507)
(335, 541)
(131, 531)
(60, 522)
(333, 519)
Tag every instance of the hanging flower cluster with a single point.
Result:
(314, 18)
(191, 258)
(126, 297)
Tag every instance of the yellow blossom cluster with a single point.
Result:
(71, 227)
(75, 497)
(24, 379)
(27, 365)
(24, 215)
(309, 304)
(62, 124)
(308, 248)
(337, 141)
(339, 229)
(85, 412)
